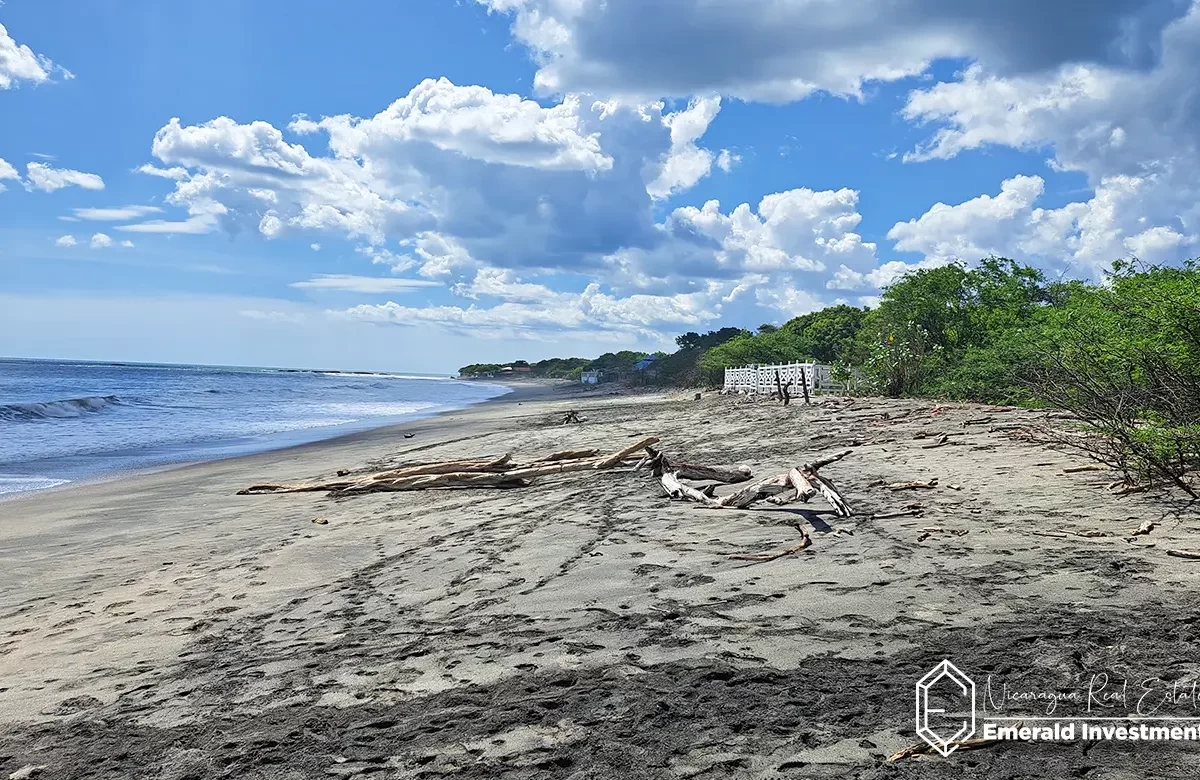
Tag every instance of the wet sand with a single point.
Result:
(163, 627)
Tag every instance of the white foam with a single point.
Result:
(14, 484)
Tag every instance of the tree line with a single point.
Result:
(1121, 354)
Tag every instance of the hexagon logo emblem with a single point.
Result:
(945, 707)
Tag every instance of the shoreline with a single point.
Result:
(518, 392)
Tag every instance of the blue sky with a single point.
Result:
(419, 185)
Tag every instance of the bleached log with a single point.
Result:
(676, 489)
(569, 455)
(422, 482)
(828, 492)
(616, 458)
(447, 467)
(804, 490)
(659, 462)
(823, 462)
(759, 490)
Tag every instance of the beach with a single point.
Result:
(586, 626)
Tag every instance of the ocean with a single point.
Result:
(69, 421)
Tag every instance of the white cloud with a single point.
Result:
(47, 179)
(728, 160)
(553, 316)
(685, 163)
(315, 247)
(363, 284)
(195, 225)
(116, 214)
(163, 173)
(7, 172)
(19, 63)
(1132, 131)
(1084, 237)
(101, 241)
(274, 316)
(127, 244)
(780, 50)
(66, 241)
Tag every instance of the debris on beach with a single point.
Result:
(572, 417)
(914, 485)
(799, 483)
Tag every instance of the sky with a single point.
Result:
(419, 185)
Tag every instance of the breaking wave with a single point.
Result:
(51, 410)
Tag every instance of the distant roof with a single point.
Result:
(645, 361)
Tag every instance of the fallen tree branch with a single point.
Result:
(616, 458)
(569, 455)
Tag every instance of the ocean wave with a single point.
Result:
(51, 410)
(10, 485)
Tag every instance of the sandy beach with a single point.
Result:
(161, 626)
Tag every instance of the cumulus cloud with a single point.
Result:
(66, 241)
(481, 192)
(1084, 237)
(7, 172)
(1134, 133)
(101, 241)
(496, 175)
(48, 179)
(780, 50)
(19, 63)
(685, 163)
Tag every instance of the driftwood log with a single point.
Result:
(796, 484)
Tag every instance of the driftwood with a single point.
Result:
(765, 557)
(803, 483)
(677, 489)
(493, 472)
(1145, 528)
(943, 439)
(804, 490)
(569, 455)
(572, 417)
(914, 485)
(1191, 556)
(616, 458)
(914, 512)
(493, 465)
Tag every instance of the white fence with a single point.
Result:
(761, 379)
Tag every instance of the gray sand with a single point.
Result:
(162, 627)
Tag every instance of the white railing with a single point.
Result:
(760, 380)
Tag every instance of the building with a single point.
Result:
(645, 363)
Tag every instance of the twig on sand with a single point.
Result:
(1188, 554)
(765, 557)
(914, 485)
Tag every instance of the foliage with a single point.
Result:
(1124, 357)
